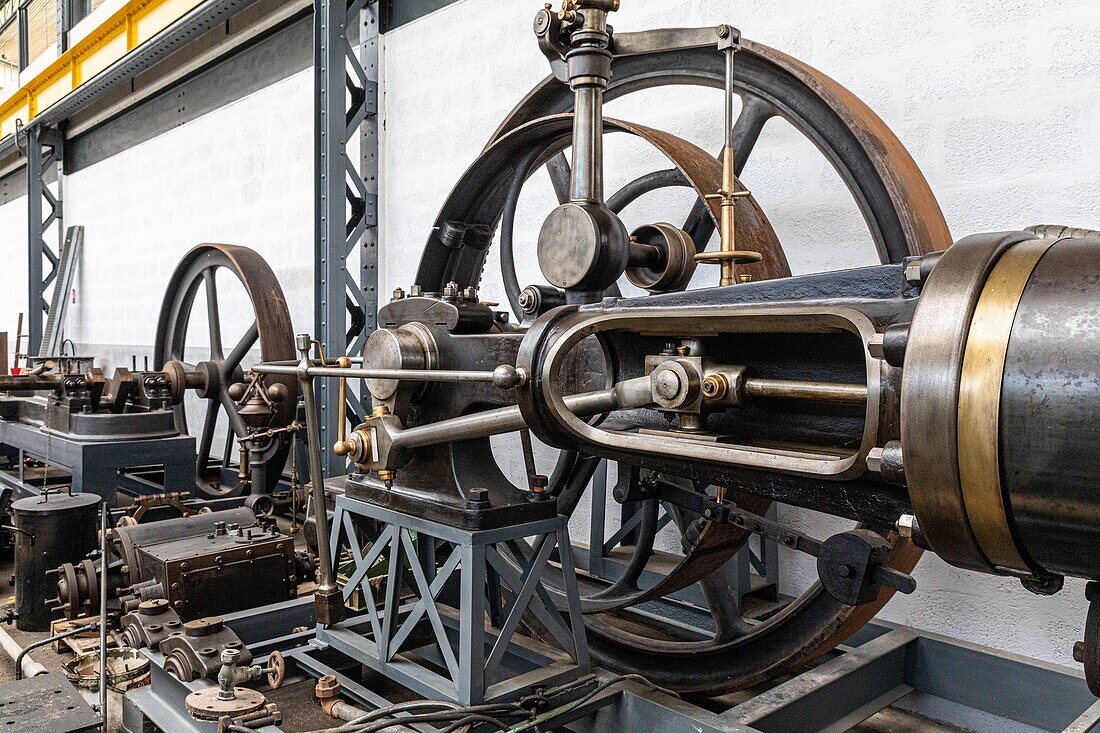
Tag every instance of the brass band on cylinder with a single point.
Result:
(980, 400)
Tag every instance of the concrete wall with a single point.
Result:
(999, 102)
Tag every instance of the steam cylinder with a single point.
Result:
(57, 529)
(1001, 406)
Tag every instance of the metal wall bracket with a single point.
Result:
(473, 640)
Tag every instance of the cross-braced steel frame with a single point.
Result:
(347, 194)
(45, 148)
(473, 661)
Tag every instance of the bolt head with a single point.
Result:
(416, 291)
(874, 460)
(450, 290)
(399, 294)
(912, 272)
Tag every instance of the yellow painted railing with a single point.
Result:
(120, 33)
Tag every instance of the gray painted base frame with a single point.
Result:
(960, 683)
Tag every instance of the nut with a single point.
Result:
(912, 272)
(907, 526)
(874, 460)
(399, 294)
(715, 387)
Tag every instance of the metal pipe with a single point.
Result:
(786, 389)
(418, 375)
(25, 665)
(29, 382)
(103, 514)
(22, 660)
(316, 474)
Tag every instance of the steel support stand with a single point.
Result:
(346, 195)
(473, 660)
(45, 149)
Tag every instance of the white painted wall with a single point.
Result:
(999, 102)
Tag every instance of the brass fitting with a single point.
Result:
(715, 387)
(356, 447)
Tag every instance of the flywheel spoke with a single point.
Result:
(213, 314)
(206, 438)
(560, 174)
(642, 185)
(240, 351)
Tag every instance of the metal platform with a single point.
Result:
(97, 466)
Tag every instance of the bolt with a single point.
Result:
(478, 499)
(416, 291)
(844, 571)
(450, 290)
(723, 31)
(470, 293)
(399, 294)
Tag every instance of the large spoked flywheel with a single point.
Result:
(902, 219)
(224, 310)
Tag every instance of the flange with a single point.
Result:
(208, 705)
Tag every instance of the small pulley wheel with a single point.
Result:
(662, 258)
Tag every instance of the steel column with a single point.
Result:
(346, 195)
(45, 148)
